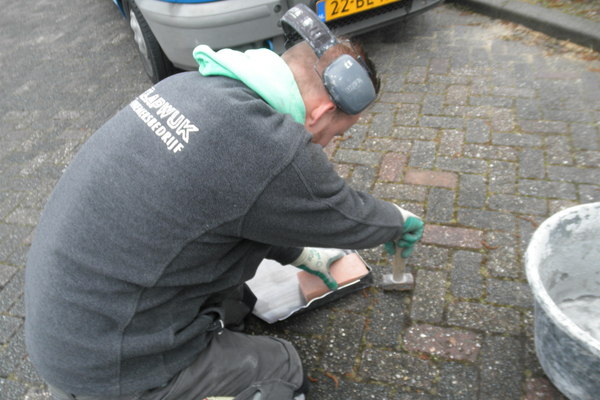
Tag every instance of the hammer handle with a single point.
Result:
(398, 265)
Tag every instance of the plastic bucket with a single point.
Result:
(563, 269)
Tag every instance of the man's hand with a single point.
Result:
(317, 261)
(412, 231)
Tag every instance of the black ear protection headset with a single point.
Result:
(346, 79)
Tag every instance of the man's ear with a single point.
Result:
(323, 108)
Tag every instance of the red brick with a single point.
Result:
(391, 167)
(451, 236)
(449, 343)
(348, 269)
(431, 178)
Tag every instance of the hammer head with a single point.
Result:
(406, 282)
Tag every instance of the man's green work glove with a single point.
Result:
(412, 231)
(317, 261)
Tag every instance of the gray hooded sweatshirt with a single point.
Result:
(176, 199)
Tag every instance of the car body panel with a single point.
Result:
(241, 24)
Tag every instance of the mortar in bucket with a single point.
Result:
(563, 269)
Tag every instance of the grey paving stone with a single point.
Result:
(27, 373)
(513, 92)
(407, 132)
(410, 395)
(585, 137)
(432, 104)
(12, 390)
(442, 122)
(558, 150)
(389, 318)
(509, 293)
(478, 131)
(19, 254)
(440, 205)
(531, 164)
(503, 255)
(516, 139)
(588, 158)
(6, 272)
(11, 292)
(548, 189)
(407, 115)
(495, 101)
(429, 296)
(502, 120)
(429, 256)
(589, 193)
(37, 394)
(363, 178)
(472, 191)
(528, 109)
(18, 308)
(13, 240)
(458, 382)
(380, 126)
(483, 219)
(427, 88)
(12, 355)
(466, 278)
(8, 327)
(526, 227)
(484, 317)
(518, 204)
(422, 155)
(502, 177)
(487, 152)
(325, 388)
(400, 192)
(464, 165)
(357, 157)
(397, 368)
(451, 142)
(537, 126)
(574, 174)
(341, 348)
(354, 137)
(23, 216)
(559, 205)
(500, 370)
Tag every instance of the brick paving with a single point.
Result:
(483, 128)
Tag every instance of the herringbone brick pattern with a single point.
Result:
(482, 128)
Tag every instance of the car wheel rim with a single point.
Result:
(138, 37)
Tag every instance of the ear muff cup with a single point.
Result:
(349, 84)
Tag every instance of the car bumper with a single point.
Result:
(179, 28)
(243, 24)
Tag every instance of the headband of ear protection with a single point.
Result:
(346, 79)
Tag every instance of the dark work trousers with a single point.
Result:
(234, 364)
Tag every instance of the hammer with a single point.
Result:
(398, 279)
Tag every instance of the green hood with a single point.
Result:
(261, 70)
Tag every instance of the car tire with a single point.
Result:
(156, 64)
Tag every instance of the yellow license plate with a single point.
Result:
(333, 9)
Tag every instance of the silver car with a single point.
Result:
(167, 31)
